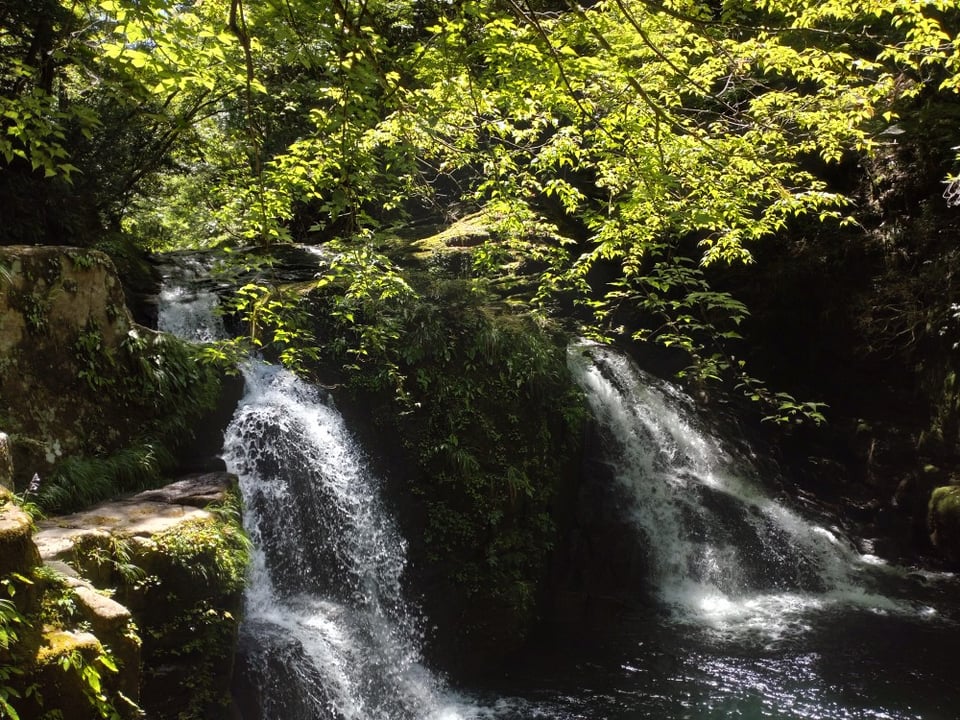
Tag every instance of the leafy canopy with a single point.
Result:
(655, 139)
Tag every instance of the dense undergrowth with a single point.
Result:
(485, 426)
(157, 378)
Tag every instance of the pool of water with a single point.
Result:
(842, 664)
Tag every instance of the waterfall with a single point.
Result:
(325, 599)
(187, 307)
(327, 633)
(723, 553)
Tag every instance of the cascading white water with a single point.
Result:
(328, 561)
(326, 632)
(185, 308)
(722, 552)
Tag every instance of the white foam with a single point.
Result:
(665, 460)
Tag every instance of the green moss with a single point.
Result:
(943, 520)
(452, 248)
(190, 614)
(50, 664)
(489, 421)
(945, 502)
(213, 551)
(15, 525)
(58, 603)
(59, 643)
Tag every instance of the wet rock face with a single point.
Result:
(267, 663)
(600, 565)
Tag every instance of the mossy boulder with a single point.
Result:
(18, 554)
(94, 404)
(451, 250)
(943, 521)
(495, 248)
(65, 648)
(76, 678)
(176, 558)
(61, 311)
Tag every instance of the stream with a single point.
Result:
(755, 611)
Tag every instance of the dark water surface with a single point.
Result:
(847, 664)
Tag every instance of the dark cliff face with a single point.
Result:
(866, 319)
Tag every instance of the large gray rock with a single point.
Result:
(199, 490)
(135, 518)
(78, 378)
(62, 321)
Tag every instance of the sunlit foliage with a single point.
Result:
(658, 137)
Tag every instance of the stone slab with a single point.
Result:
(140, 516)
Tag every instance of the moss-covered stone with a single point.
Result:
(57, 669)
(71, 674)
(94, 404)
(176, 558)
(57, 643)
(18, 554)
(451, 250)
(507, 255)
(66, 650)
(943, 521)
